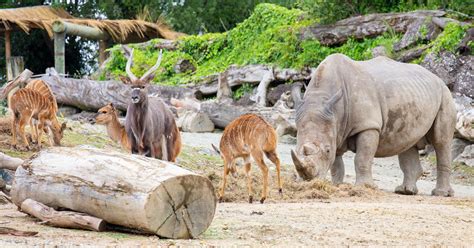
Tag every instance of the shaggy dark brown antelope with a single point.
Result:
(108, 116)
(249, 135)
(44, 89)
(150, 125)
(27, 104)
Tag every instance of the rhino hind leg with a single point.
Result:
(441, 136)
(366, 147)
(410, 164)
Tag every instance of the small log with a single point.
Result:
(14, 232)
(134, 191)
(10, 163)
(65, 219)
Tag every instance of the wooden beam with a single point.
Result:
(79, 30)
(102, 53)
(8, 54)
(59, 52)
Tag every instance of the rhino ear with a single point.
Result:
(331, 103)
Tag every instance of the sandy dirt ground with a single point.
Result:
(308, 214)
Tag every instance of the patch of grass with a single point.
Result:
(74, 138)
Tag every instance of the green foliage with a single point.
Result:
(242, 90)
(268, 36)
(448, 40)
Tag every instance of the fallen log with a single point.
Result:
(65, 219)
(365, 26)
(92, 95)
(147, 194)
(10, 163)
(252, 74)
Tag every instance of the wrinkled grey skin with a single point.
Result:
(375, 108)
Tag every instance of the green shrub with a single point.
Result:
(269, 36)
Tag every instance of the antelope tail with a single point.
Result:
(215, 149)
(164, 148)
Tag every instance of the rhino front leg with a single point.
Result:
(337, 171)
(409, 162)
(366, 146)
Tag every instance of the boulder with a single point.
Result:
(411, 36)
(194, 122)
(275, 93)
(379, 51)
(458, 147)
(456, 71)
(467, 157)
(68, 111)
(465, 117)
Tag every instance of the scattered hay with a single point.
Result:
(5, 125)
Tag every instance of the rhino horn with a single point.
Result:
(331, 103)
(299, 166)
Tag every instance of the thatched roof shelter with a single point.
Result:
(121, 31)
(58, 23)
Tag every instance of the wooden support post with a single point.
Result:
(8, 54)
(102, 52)
(59, 52)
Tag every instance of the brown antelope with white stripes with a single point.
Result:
(249, 135)
(41, 87)
(27, 104)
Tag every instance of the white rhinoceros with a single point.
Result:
(375, 108)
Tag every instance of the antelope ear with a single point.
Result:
(63, 126)
(125, 80)
(111, 105)
(149, 78)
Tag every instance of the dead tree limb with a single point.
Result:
(365, 26)
(65, 219)
(10, 163)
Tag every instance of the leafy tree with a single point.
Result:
(328, 11)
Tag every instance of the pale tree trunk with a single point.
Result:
(142, 193)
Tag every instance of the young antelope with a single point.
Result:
(249, 135)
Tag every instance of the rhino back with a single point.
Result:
(409, 98)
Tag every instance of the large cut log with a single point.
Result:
(137, 192)
(365, 26)
(92, 95)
